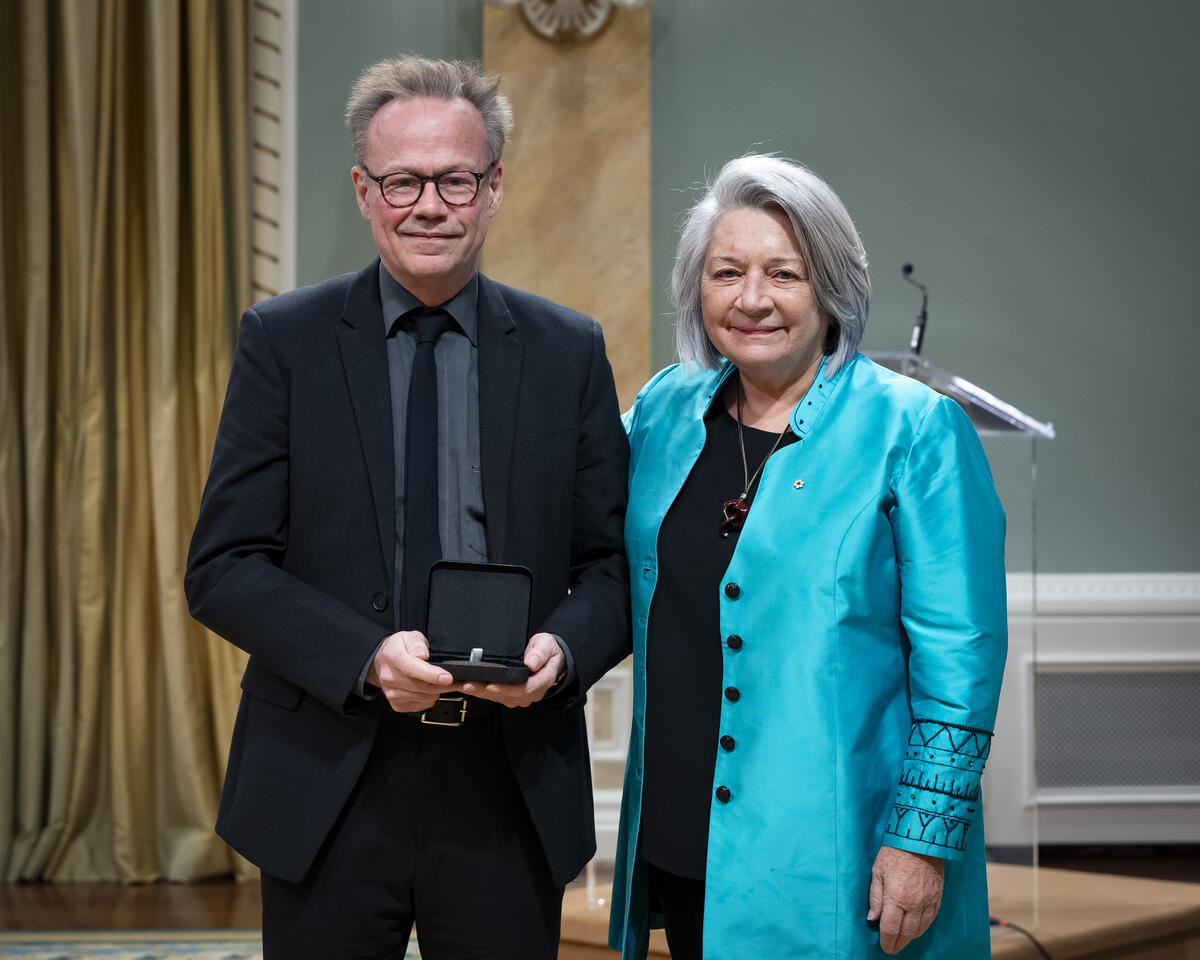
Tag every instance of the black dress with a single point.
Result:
(683, 650)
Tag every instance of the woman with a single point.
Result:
(818, 606)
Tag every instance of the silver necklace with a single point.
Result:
(735, 510)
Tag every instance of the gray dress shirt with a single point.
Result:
(461, 523)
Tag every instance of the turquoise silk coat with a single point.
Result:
(870, 598)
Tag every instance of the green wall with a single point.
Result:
(1035, 159)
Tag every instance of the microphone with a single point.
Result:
(918, 333)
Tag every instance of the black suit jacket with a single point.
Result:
(292, 555)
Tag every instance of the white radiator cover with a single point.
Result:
(1098, 736)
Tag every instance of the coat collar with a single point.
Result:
(808, 411)
(364, 359)
(501, 350)
(804, 414)
(362, 305)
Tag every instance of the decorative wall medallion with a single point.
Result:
(568, 19)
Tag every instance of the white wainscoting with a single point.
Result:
(1098, 733)
(271, 95)
(610, 711)
(1103, 641)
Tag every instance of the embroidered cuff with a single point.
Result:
(938, 798)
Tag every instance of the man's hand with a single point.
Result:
(906, 891)
(401, 671)
(546, 664)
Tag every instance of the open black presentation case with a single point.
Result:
(478, 620)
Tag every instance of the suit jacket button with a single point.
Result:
(723, 794)
(733, 694)
(734, 642)
(732, 590)
(379, 602)
(728, 743)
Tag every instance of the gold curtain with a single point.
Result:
(123, 265)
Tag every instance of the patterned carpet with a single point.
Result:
(140, 945)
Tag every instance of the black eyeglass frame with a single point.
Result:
(424, 180)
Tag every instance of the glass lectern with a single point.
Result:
(1009, 781)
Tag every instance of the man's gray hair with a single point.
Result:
(404, 78)
(833, 253)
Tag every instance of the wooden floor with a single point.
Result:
(227, 904)
(115, 906)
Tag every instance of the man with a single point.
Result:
(363, 436)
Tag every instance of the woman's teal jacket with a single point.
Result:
(871, 604)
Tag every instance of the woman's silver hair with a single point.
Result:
(404, 78)
(833, 253)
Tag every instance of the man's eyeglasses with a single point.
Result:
(403, 189)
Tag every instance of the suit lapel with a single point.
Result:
(363, 348)
(500, 352)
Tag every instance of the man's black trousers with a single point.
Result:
(434, 833)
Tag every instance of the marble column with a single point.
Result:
(574, 224)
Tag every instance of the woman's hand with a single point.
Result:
(906, 891)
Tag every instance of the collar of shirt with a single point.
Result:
(396, 301)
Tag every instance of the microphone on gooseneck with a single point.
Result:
(918, 333)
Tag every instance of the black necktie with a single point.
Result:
(422, 544)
